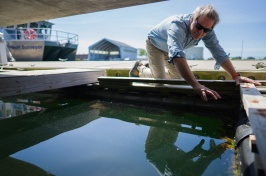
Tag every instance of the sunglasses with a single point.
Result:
(200, 27)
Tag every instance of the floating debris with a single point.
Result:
(97, 105)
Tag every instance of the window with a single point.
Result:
(114, 52)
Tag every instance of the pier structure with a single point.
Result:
(20, 78)
(101, 79)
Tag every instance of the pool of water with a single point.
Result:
(50, 134)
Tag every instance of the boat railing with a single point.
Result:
(64, 37)
(40, 34)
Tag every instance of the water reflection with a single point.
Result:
(31, 128)
(8, 110)
(160, 146)
(169, 159)
(163, 146)
(24, 104)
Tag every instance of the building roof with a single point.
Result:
(106, 44)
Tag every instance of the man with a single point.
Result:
(166, 44)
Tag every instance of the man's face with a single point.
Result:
(200, 27)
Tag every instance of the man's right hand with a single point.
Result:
(183, 68)
(204, 92)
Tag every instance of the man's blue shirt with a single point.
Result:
(173, 36)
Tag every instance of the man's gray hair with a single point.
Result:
(206, 11)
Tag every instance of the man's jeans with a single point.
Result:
(158, 63)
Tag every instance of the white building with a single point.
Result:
(107, 50)
(194, 53)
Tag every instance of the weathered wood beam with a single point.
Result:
(15, 83)
(128, 81)
(228, 88)
(255, 105)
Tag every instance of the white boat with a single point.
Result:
(36, 41)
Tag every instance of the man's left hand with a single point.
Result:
(241, 79)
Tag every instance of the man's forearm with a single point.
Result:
(182, 66)
(228, 67)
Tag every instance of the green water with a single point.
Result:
(50, 134)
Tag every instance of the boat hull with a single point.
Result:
(41, 50)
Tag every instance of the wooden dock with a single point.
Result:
(20, 78)
(15, 82)
(168, 92)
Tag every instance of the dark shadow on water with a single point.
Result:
(13, 167)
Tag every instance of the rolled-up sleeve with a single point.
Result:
(218, 53)
(175, 40)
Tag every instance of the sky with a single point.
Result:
(241, 31)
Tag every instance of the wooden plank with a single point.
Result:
(251, 97)
(128, 81)
(14, 83)
(255, 105)
(200, 74)
(224, 88)
(12, 73)
(215, 75)
(167, 89)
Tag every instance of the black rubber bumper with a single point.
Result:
(245, 156)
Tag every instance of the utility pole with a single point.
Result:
(242, 49)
